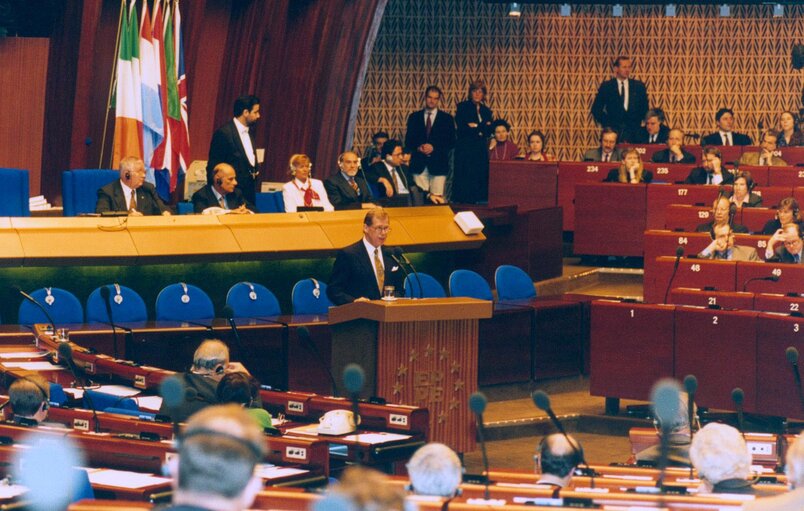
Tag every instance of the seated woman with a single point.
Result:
(787, 212)
(789, 134)
(742, 194)
(303, 190)
(536, 148)
(500, 147)
(630, 170)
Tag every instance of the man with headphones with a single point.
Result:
(347, 188)
(765, 156)
(722, 247)
(29, 399)
(131, 194)
(222, 193)
(557, 459)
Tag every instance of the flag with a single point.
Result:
(182, 136)
(159, 161)
(153, 130)
(128, 99)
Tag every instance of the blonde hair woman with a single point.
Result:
(302, 191)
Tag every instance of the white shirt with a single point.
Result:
(370, 249)
(293, 195)
(246, 140)
(126, 194)
(432, 114)
(624, 85)
(400, 186)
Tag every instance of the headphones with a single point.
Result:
(118, 297)
(316, 289)
(185, 298)
(128, 175)
(252, 294)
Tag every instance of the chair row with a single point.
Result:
(187, 302)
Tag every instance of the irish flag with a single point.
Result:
(128, 98)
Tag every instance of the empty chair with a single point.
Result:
(469, 284)
(79, 188)
(61, 304)
(126, 304)
(513, 284)
(183, 302)
(57, 395)
(270, 202)
(430, 287)
(309, 296)
(14, 193)
(249, 300)
(102, 401)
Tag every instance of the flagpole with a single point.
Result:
(112, 82)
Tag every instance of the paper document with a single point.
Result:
(118, 390)
(273, 472)
(310, 429)
(125, 479)
(33, 366)
(23, 354)
(375, 438)
(149, 402)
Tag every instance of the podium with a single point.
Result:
(417, 352)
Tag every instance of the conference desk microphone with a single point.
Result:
(399, 262)
(353, 380)
(770, 278)
(738, 396)
(691, 386)
(66, 354)
(665, 397)
(107, 300)
(173, 395)
(401, 254)
(792, 357)
(303, 334)
(228, 313)
(477, 403)
(679, 255)
(39, 305)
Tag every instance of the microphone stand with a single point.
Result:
(413, 268)
(772, 278)
(39, 305)
(679, 253)
(66, 353)
(107, 300)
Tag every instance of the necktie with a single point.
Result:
(728, 138)
(797, 258)
(428, 125)
(354, 186)
(622, 90)
(379, 269)
(653, 139)
(223, 202)
(606, 156)
(133, 204)
(393, 179)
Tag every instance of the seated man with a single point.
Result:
(391, 177)
(435, 470)
(674, 153)
(372, 153)
(347, 188)
(712, 172)
(721, 215)
(29, 399)
(217, 453)
(722, 459)
(222, 193)
(363, 489)
(210, 364)
(608, 148)
(131, 193)
(679, 439)
(557, 460)
(790, 245)
(723, 247)
(794, 468)
(765, 156)
(655, 130)
(725, 136)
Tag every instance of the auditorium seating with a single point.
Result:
(513, 283)
(765, 302)
(126, 305)
(14, 193)
(62, 306)
(251, 300)
(469, 284)
(309, 296)
(183, 302)
(101, 401)
(430, 287)
(79, 189)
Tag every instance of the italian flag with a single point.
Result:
(128, 93)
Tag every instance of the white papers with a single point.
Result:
(33, 366)
(125, 479)
(9, 491)
(149, 402)
(267, 471)
(310, 429)
(629, 478)
(23, 354)
(117, 390)
(375, 438)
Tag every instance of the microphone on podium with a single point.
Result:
(66, 354)
(173, 395)
(679, 255)
(738, 396)
(38, 304)
(477, 403)
(353, 380)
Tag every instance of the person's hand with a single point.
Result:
(236, 367)
(241, 210)
(426, 149)
(362, 299)
(676, 149)
(777, 237)
(389, 190)
(368, 205)
(136, 213)
(472, 124)
(436, 199)
(492, 144)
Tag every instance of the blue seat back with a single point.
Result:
(103, 401)
(305, 300)
(513, 283)
(469, 284)
(79, 189)
(170, 307)
(131, 307)
(14, 193)
(185, 208)
(57, 395)
(270, 202)
(65, 308)
(148, 416)
(245, 305)
(431, 287)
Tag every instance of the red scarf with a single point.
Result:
(309, 194)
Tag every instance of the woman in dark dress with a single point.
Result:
(470, 179)
(787, 212)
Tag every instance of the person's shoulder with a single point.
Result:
(110, 187)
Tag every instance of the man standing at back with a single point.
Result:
(429, 137)
(234, 143)
(622, 102)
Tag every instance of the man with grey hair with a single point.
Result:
(720, 455)
(435, 470)
(794, 468)
(130, 194)
(679, 439)
(217, 453)
(557, 459)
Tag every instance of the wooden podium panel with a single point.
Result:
(609, 218)
(13, 252)
(771, 195)
(756, 218)
(193, 237)
(58, 240)
(759, 173)
(430, 228)
(685, 218)
(664, 243)
(776, 386)
(772, 302)
(505, 345)
(276, 234)
(528, 184)
(670, 173)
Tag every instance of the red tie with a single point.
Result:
(428, 125)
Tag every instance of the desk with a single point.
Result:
(685, 218)
(703, 273)
(755, 218)
(786, 176)
(529, 185)
(704, 298)
(662, 195)
(793, 155)
(571, 173)
(772, 302)
(505, 344)
(791, 277)
(670, 173)
(609, 218)
(776, 385)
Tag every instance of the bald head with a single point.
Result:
(557, 456)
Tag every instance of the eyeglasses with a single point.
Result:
(381, 228)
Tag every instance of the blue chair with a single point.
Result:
(270, 202)
(513, 283)
(146, 416)
(103, 401)
(130, 308)
(64, 307)
(82, 488)
(14, 193)
(185, 208)
(57, 395)
(469, 284)
(79, 189)
(430, 287)
(247, 305)
(172, 306)
(309, 296)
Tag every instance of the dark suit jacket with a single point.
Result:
(608, 110)
(781, 255)
(226, 147)
(205, 198)
(378, 170)
(342, 196)
(442, 138)
(736, 139)
(642, 135)
(698, 176)
(353, 276)
(663, 156)
(465, 114)
(614, 176)
(596, 154)
(111, 198)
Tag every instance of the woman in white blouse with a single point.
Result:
(303, 190)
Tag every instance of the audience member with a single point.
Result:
(390, 177)
(608, 148)
(347, 188)
(244, 390)
(722, 459)
(430, 136)
(363, 489)
(794, 468)
(765, 156)
(722, 214)
(742, 194)
(786, 212)
(435, 470)
(725, 136)
(131, 193)
(501, 147)
(218, 451)
(674, 152)
(234, 143)
(621, 102)
(789, 134)
(655, 131)
(790, 245)
(723, 247)
(712, 172)
(557, 460)
(29, 398)
(222, 193)
(372, 153)
(537, 148)
(678, 454)
(470, 180)
(302, 191)
(630, 170)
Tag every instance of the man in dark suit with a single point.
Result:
(608, 148)
(621, 103)
(722, 214)
(234, 143)
(396, 187)
(712, 171)
(363, 269)
(131, 193)
(674, 153)
(725, 136)
(347, 189)
(222, 193)
(790, 247)
(655, 130)
(429, 137)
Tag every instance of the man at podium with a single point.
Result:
(362, 270)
